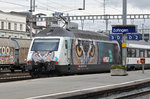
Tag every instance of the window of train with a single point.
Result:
(131, 52)
(137, 53)
(142, 53)
(145, 53)
(45, 45)
(148, 53)
(128, 52)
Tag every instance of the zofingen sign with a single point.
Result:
(123, 29)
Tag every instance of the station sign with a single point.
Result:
(115, 36)
(133, 36)
(124, 29)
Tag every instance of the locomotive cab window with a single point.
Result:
(45, 45)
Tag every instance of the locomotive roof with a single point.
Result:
(23, 43)
(55, 31)
(58, 31)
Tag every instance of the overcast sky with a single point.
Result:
(93, 7)
(71, 6)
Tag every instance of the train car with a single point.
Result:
(64, 51)
(7, 53)
(13, 53)
(21, 51)
(136, 50)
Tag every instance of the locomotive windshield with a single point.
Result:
(45, 45)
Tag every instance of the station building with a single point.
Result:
(13, 25)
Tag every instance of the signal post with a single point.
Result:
(124, 49)
(121, 33)
(142, 60)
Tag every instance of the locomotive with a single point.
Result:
(13, 53)
(71, 51)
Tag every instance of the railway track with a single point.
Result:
(8, 77)
(138, 95)
(18, 76)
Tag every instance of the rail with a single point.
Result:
(8, 77)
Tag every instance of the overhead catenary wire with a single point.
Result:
(25, 6)
(58, 4)
(13, 3)
(44, 8)
(43, 5)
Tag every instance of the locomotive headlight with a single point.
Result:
(29, 62)
(56, 62)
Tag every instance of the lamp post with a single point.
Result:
(82, 21)
(30, 20)
(32, 8)
(83, 6)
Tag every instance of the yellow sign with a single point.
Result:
(124, 45)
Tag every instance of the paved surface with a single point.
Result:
(58, 85)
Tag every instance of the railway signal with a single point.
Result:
(142, 60)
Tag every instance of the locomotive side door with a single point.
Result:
(68, 48)
(16, 53)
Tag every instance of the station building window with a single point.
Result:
(2, 25)
(9, 26)
(21, 28)
(15, 26)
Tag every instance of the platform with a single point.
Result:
(68, 85)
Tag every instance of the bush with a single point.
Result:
(118, 67)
